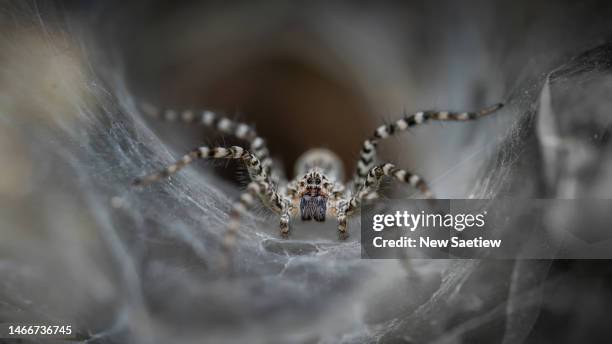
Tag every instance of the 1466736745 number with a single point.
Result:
(40, 330)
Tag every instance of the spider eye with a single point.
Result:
(309, 181)
(318, 181)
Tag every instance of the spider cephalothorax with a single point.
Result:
(318, 190)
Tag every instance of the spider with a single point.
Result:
(317, 192)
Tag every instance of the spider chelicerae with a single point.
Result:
(317, 192)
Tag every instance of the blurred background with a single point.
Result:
(78, 245)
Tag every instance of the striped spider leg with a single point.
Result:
(259, 187)
(367, 177)
(368, 151)
(264, 177)
(371, 184)
(243, 131)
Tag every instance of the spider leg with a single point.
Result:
(368, 151)
(269, 197)
(253, 164)
(342, 217)
(284, 223)
(243, 131)
(372, 181)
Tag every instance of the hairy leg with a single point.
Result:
(223, 124)
(368, 151)
(342, 220)
(284, 223)
(372, 181)
(269, 197)
(253, 164)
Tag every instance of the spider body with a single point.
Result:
(318, 171)
(317, 192)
